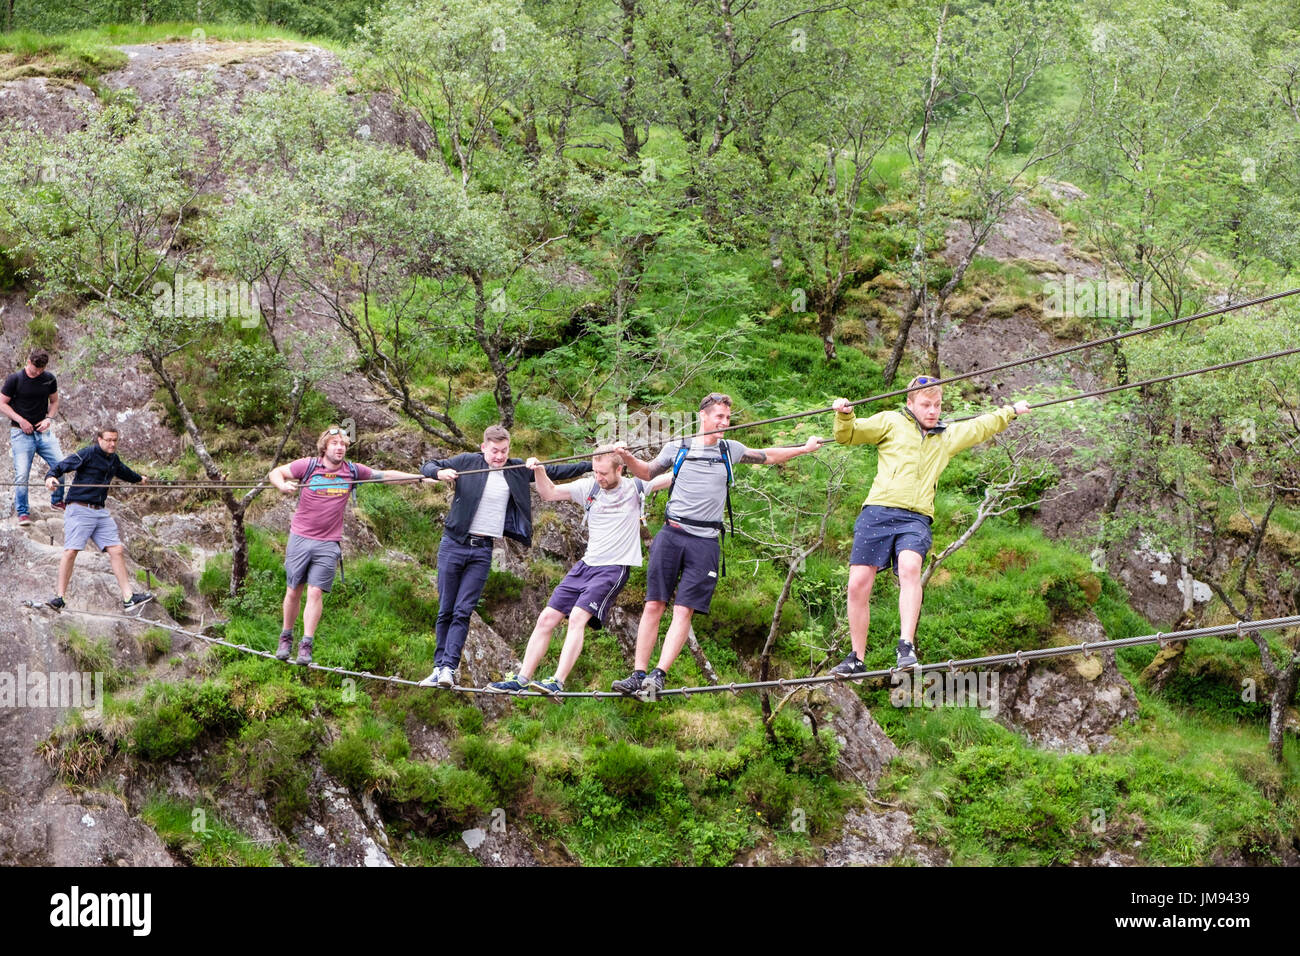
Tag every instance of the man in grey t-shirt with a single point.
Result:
(684, 555)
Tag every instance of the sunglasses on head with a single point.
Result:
(715, 398)
(923, 380)
(337, 431)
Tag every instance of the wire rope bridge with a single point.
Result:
(1018, 658)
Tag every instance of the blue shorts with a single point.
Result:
(591, 588)
(880, 533)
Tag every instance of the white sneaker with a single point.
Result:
(432, 679)
(446, 677)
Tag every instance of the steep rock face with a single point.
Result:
(865, 750)
(46, 823)
(1073, 704)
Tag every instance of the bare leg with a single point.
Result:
(909, 594)
(292, 601)
(578, 619)
(65, 570)
(678, 631)
(648, 632)
(862, 577)
(117, 558)
(540, 640)
(311, 616)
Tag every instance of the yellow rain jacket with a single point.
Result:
(910, 459)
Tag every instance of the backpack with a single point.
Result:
(683, 456)
(302, 488)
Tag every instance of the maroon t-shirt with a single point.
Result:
(323, 499)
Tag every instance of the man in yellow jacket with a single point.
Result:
(893, 529)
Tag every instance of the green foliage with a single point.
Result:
(201, 838)
(171, 718)
(271, 758)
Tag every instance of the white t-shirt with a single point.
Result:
(613, 522)
(490, 518)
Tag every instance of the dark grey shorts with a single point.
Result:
(306, 559)
(684, 563)
(880, 533)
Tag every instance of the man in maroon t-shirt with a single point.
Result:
(316, 529)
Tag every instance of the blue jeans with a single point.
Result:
(25, 448)
(462, 575)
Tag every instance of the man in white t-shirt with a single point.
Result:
(612, 503)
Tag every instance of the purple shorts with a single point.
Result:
(880, 533)
(591, 588)
(684, 563)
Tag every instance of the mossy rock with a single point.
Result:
(888, 280)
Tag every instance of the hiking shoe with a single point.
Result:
(136, 599)
(59, 506)
(906, 654)
(630, 684)
(552, 685)
(446, 677)
(432, 679)
(849, 667)
(56, 602)
(286, 647)
(24, 521)
(653, 684)
(513, 684)
(304, 652)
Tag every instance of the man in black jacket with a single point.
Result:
(491, 502)
(86, 517)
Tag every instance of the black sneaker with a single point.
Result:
(849, 667)
(136, 599)
(653, 685)
(630, 684)
(56, 602)
(286, 647)
(906, 654)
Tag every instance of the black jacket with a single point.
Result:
(469, 492)
(93, 466)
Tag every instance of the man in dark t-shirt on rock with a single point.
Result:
(30, 399)
(323, 486)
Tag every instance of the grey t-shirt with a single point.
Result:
(613, 523)
(700, 490)
(490, 518)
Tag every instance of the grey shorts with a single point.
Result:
(306, 559)
(82, 524)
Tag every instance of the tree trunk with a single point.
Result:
(1283, 691)
(238, 547)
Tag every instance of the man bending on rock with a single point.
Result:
(86, 517)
